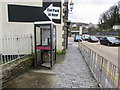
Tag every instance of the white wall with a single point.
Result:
(0, 27)
(17, 28)
(0, 19)
(59, 38)
(60, 31)
(14, 28)
(36, 3)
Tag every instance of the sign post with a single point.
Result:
(80, 30)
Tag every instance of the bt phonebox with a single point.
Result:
(45, 43)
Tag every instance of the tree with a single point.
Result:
(109, 18)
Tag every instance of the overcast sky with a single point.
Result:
(87, 11)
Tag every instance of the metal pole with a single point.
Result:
(31, 44)
(35, 46)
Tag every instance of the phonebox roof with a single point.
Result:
(44, 22)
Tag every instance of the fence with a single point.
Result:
(104, 71)
(14, 47)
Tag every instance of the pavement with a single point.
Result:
(70, 71)
(74, 72)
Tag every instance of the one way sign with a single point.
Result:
(52, 12)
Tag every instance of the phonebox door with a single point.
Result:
(45, 45)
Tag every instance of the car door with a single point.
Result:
(102, 40)
(105, 41)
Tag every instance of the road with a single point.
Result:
(108, 52)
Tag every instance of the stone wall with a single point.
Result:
(15, 68)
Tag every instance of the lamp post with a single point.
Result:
(71, 5)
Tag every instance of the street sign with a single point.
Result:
(22, 13)
(52, 12)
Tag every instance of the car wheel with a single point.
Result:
(108, 44)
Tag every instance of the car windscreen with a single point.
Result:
(78, 37)
(111, 38)
(93, 37)
(87, 36)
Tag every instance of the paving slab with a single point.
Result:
(74, 72)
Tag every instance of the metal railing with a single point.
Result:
(14, 47)
(104, 71)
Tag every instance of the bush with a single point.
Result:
(61, 52)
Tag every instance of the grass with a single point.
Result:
(61, 52)
(0, 62)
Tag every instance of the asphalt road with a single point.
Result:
(110, 53)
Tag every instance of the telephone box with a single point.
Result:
(45, 44)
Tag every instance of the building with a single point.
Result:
(17, 18)
(78, 28)
(74, 29)
(116, 27)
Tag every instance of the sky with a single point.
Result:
(89, 11)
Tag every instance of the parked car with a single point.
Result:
(77, 38)
(109, 41)
(85, 37)
(92, 39)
